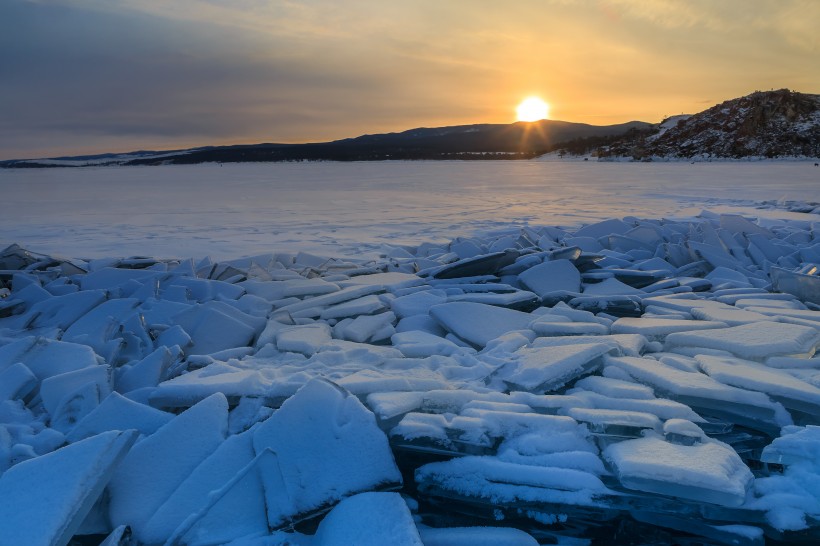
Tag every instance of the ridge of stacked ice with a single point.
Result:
(636, 375)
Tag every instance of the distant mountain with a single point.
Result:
(519, 140)
(766, 124)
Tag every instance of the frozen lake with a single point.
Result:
(352, 208)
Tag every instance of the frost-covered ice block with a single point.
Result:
(628, 344)
(147, 372)
(391, 281)
(710, 471)
(108, 278)
(500, 482)
(47, 357)
(62, 311)
(416, 343)
(306, 339)
(512, 299)
(367, 305)
(793, 393)
(17, 381)
(731, 316)
(157, 465)
(116, 412)
(610, 287)
(301, 288)
(212, 330)
(548, 368)
(45, 499)
(553, 325)
(369, 519)
(704, 394)
(53, 389)
(552, 276)
(188, 389)
(486, 264)
(604, 228)
(417, 303)
(795, 445)
(616, 421)
(328, 446)
(241, 512)
(475, 536)
(97, 327)
(343, 295)
(757, 340)
(479, 323)
(658, 328)
(660, 407)
(366, 328)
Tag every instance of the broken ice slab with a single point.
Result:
(116, 412)
(190, 388)
(487, 264)
(552, 276)
(241, 512)
(618, 423)
(555, 325)
(415, 343)
(656, 329)
(793, 393)
(757, 340)
(546, 369)
(614, 305)
(522, 300)
(627, 344)
(306, 339)
(369, 519)
(328, 446)
(158, 464)
(478, 323)
(706, 395)
(47, 357)
(47, 498)
(17, 381)
(504, 483)
(706, 472)
(660, 407)
(216, 326)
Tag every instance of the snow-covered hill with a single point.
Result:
(768, 124)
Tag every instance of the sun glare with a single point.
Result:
(532, 109)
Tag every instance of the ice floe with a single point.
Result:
(654, 378)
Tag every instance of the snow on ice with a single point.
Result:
(654, 379)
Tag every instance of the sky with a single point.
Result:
(95, 76)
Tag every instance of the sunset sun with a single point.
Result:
(532, 109)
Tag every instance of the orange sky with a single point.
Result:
(94, 75)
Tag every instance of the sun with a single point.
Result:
(532, 109)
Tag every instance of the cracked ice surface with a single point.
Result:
(641, 376)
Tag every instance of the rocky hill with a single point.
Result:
(766, 124)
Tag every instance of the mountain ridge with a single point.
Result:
(764, 124)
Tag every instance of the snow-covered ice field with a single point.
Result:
(351, 208)
(421, 354)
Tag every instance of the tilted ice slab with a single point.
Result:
(45, 499)
(705, 472)
(545, 369)
(757, 340)
(157, 465)
(368, 519)
(479, 323)
(327, 447)
(781, 386)
(659, 328)
(703, 393)
(500, 482)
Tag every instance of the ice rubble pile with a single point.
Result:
(632, 378)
